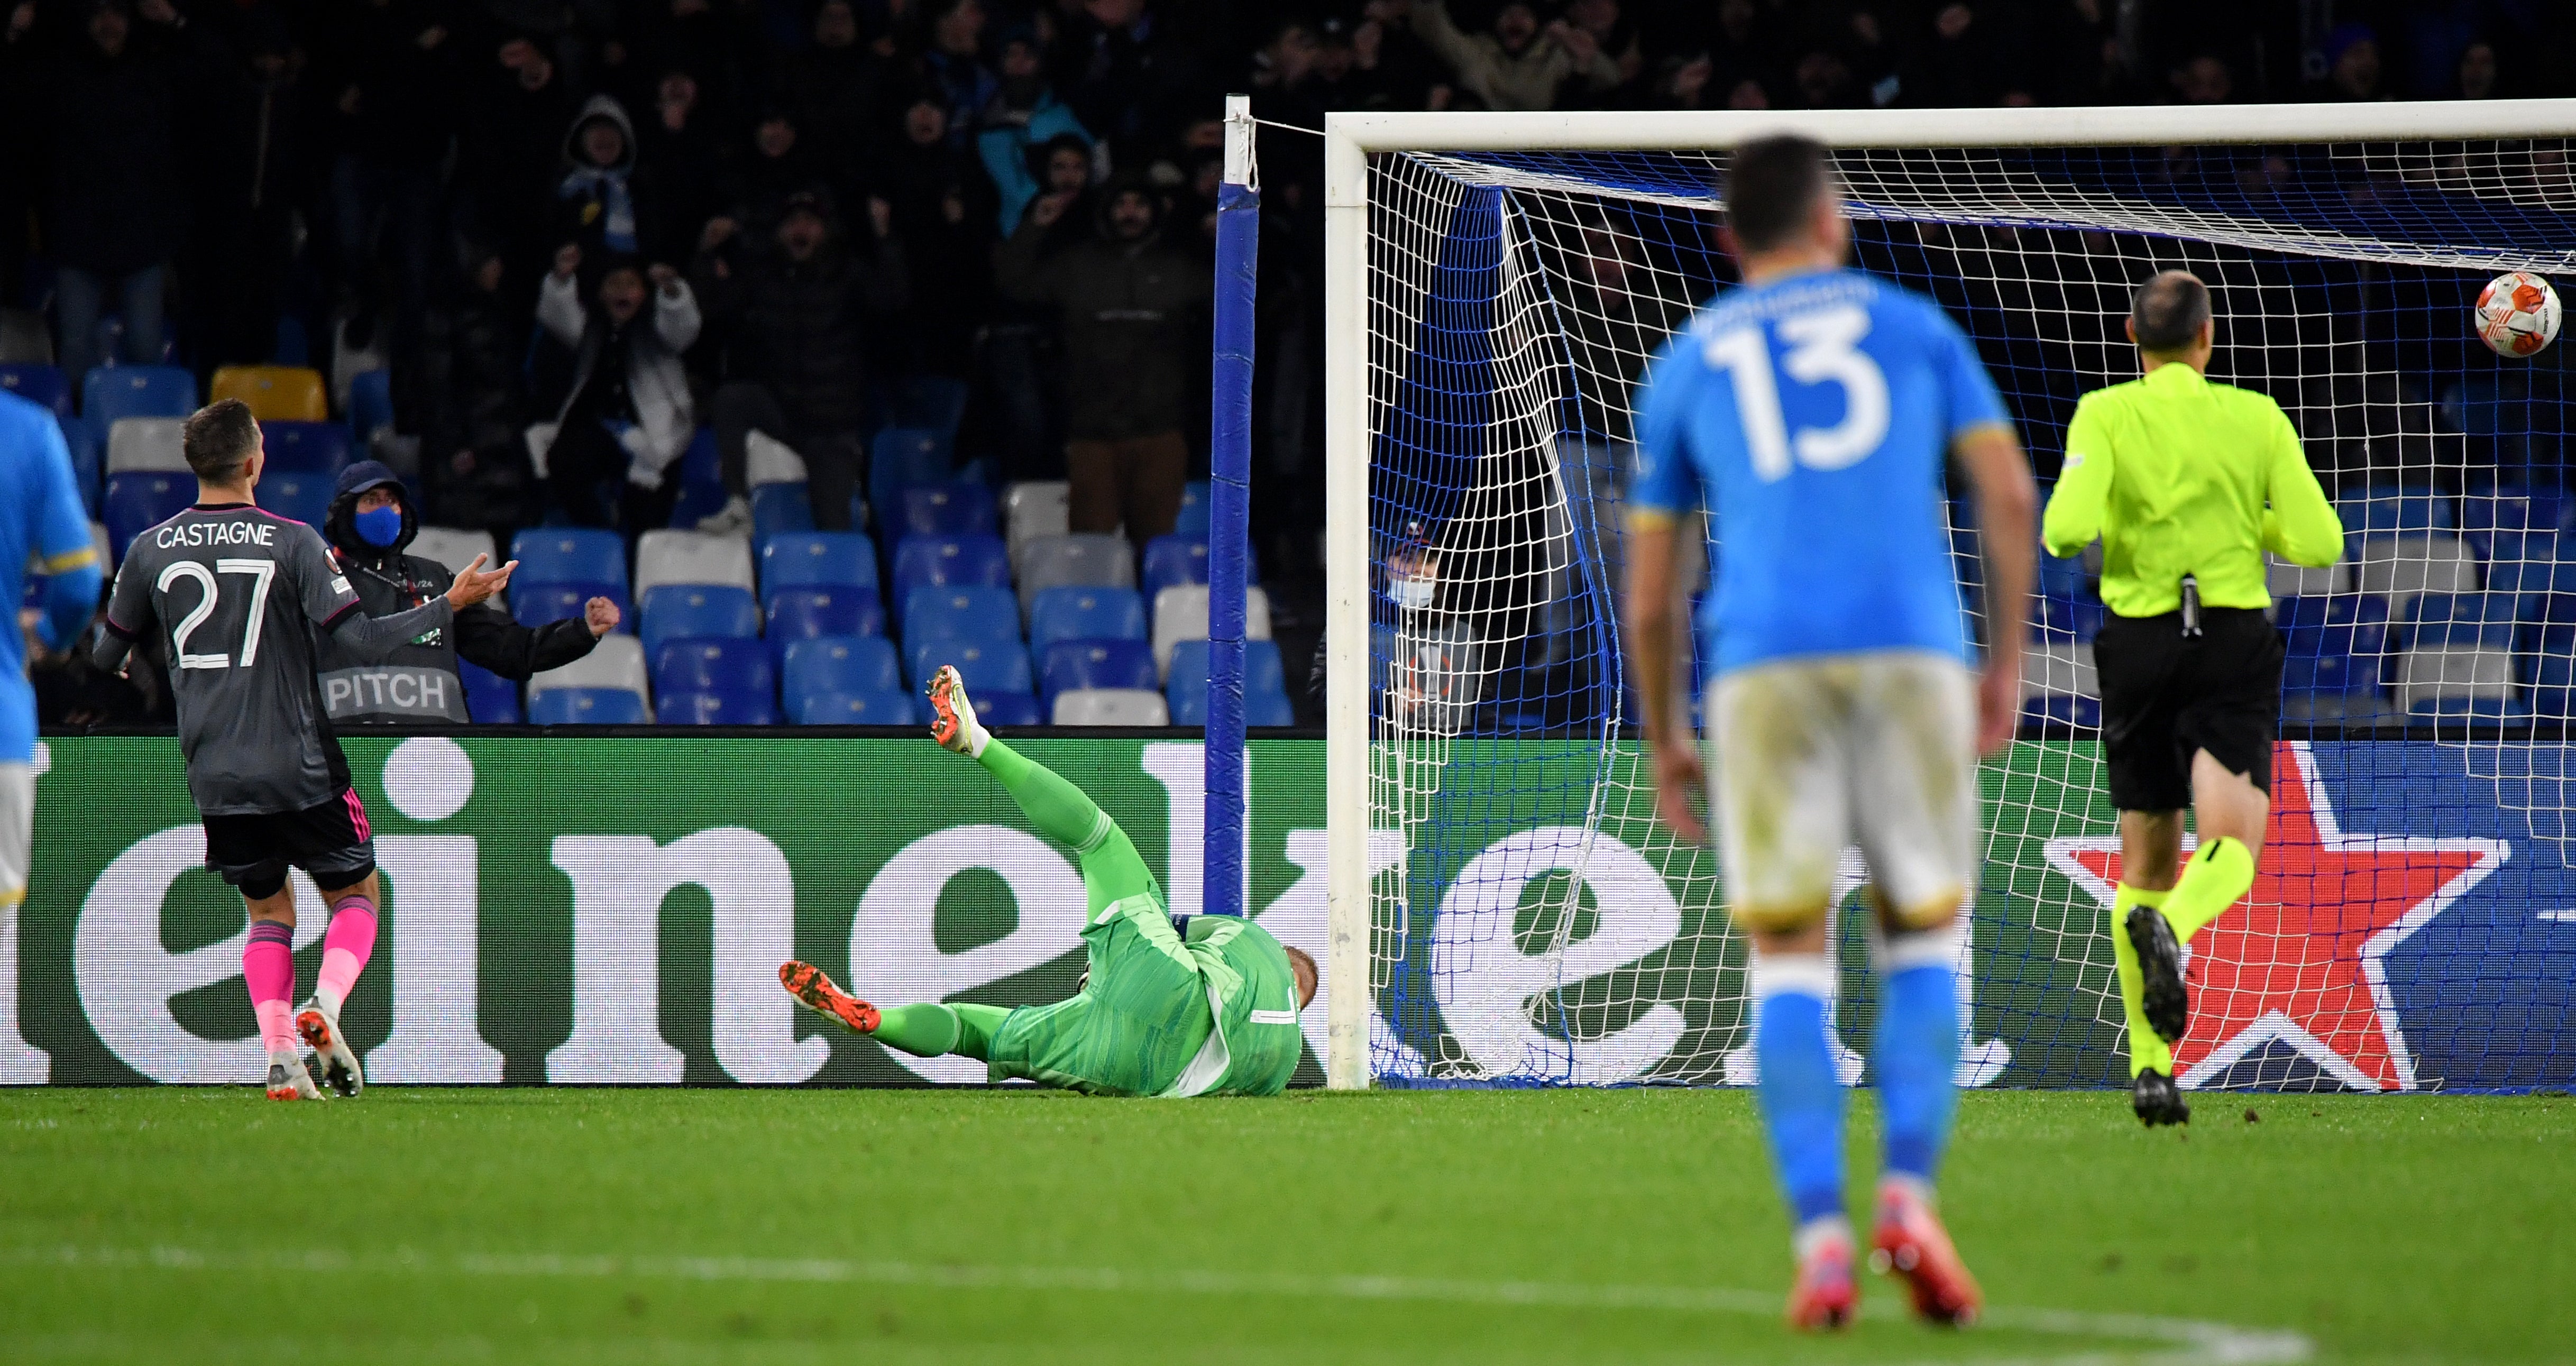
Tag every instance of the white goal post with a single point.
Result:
(1352, 140)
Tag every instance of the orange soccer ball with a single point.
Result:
(2517, 314)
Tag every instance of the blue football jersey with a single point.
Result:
(41, 523)
(1810, 416)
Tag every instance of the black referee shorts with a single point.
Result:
(2166, 696)
(331, 841)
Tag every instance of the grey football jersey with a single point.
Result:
(236, 594)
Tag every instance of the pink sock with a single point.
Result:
(345, 947)
(268, 966)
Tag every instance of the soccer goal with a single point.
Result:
(1505, 910)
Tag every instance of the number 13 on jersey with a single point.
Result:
(1822, 349)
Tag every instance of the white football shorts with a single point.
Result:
(1809, 756)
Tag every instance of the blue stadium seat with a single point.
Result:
(1263, 670)
(907, 455)
(817, 559)
(953, 507)
(843, 664)
(371, 405)
(778, 510)
(975, 614)
(702, 486)
(1173, 560)
(308, 447)
(109, 392)
(302, 495)
(934, 402)
(1193, 519)
(2527, 564)
(534, 604)
(2063, 617)
(42, 385)
(89, 457)
(859, 709)
(674, 610)
(1007, 708)
(490, 699)
(2332, 652)
(1086, 614)
(1002, 665)
(729, 708)
(2392, 511)
(2459, 621)
(141, 499)
(562, 554)
(704, 664)
(2060, 710)
(587, 707)
(1268, 709)
(951, 562)
(1072, 664)
(798, 614)
(2552, 673)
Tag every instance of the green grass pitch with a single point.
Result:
(568, 1227)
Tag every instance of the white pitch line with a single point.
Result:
(2191, 1342)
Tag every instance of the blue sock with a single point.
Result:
(1802, 1099)
(1917, 1059)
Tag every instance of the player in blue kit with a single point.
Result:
(1810, 412)
(41, 525)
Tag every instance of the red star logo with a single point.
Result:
(2299, 960)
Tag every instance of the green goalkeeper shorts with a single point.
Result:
(1145, 1012)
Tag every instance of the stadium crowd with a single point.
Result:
(625, 222)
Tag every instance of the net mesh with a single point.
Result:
(1533, 924)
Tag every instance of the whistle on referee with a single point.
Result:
(2190, 605)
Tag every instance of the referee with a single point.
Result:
(2187, 483)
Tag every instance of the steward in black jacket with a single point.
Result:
(419, 684)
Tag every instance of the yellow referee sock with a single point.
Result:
(2146, 1048)
(2219, 872)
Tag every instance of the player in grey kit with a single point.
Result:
(236, 594)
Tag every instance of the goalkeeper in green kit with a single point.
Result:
(1161, 1013)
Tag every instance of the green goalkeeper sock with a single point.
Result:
(1060, 809)
(926, 1031)
(2146, 1048)
(2220, 871)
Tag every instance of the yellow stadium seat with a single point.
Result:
(275, 393)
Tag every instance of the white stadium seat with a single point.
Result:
(1181, 613)
(455, 548)
(1111, 707)
(690, 557)
(616, 662)
(1092, 561)
(1035, 508)
(145, 443)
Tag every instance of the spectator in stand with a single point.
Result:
(1515, 64)
(1129, 308)
(2475, 78)
(628, 415)
(474, 457)
(248, 174)
(1024, 116)
(1129, 77)
(2204, 79)
(797, 322)
(2352, 64)
(951, 64)
(513, 152)
(390, 78)
(1611, 29)
(943, 214)
(605, 203)
(780, 166)
(1971, 57)
(689, 159)
(1019, 352)
(104, 103)
(836, 84)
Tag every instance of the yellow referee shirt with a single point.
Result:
(2181, 476)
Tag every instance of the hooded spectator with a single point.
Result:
(104, 103)
(798, 321)
(1129, 310)
(628, 415)
(370, 524)
(605, 204)
(1023, 117)
(1515, 64)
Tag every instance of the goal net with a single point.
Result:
(1527, 919)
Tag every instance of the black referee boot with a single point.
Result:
(2165, 997)
(2157, 1100)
